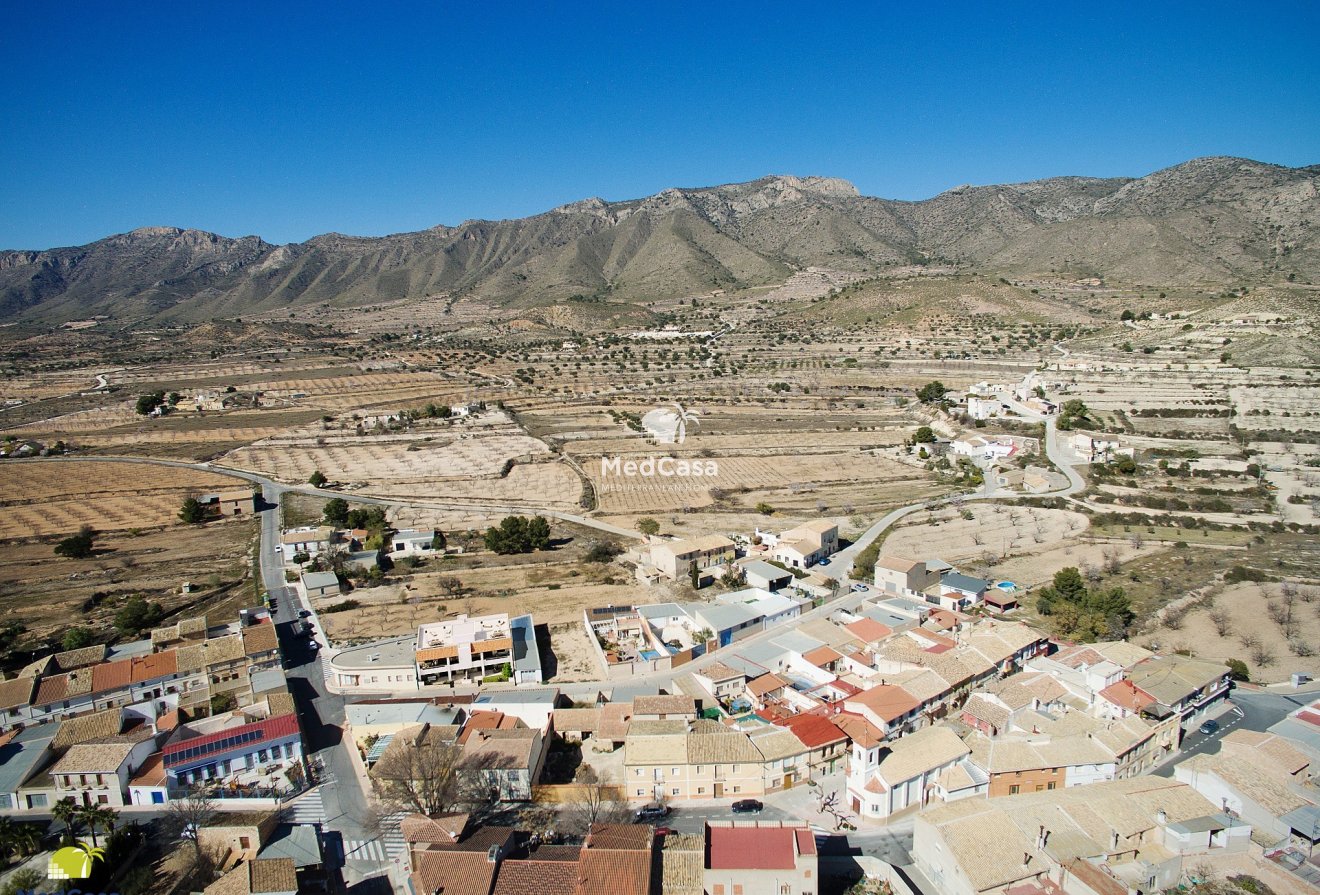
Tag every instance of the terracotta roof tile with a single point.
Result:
(16, 692)
(51, 689)
(869, 630)
(91, 726)
(535, 877)
(258, 639)
(886, 701)
(116, 675)
(751, 848)
(814, 730)
(155, 665)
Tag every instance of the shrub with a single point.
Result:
(342, 606)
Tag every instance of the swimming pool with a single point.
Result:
(1006, 585)
(649, 655)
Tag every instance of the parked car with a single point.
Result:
(747, 806)
(1208, 727)
(652, 812)
(859, 588)
(304, 613)
(664, 831)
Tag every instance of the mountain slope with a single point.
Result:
(1213, 221)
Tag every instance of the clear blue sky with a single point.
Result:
(288, 120)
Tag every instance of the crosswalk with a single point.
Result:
(386, 847)
(309, 809)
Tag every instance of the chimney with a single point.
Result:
(1162, 817)
(493, 854)
(1026, 860)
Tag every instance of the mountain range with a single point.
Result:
(1213, 221)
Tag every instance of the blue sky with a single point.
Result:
(288, 120)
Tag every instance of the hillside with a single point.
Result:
(1209, 221)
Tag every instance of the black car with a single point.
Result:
(652, 812)
(1209, 727)
(747, 806)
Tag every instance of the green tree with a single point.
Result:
(1127, 315)
(336, 512)
(66, 812)
(1238, 671)
(223, 702)
(147, 403)
(137, 615)
(931, 392)
(192, 512)
(28, 879)
(96, 817)
(518, 534)
(765, 509)
(694, 576)
(77, 546)
(648, 526)
(924, 435)
(438, 541)
(603, 552)
(76, 638)
(316, 479)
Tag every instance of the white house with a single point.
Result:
(807, 544)
(410, 542)
(908, 772)
(309, 539)
(980, 446)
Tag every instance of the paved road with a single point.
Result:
(1257, 710)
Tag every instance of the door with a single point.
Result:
(719, 790)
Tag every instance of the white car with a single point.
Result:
(279, 548)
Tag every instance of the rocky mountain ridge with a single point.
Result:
(1212, 220)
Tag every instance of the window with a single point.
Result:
(673, 771)
(717, 889)
(737, 889)
(103, 800)
(244, 842)
(735, 769)
(1014, 789)
(158, 798)
(737, 789)
(700, 790)
(1049, 785)
(675, 790)
(639, 771)
(641, 791)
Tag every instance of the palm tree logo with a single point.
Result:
(74, 861)
(669, 425)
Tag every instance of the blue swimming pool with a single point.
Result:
(650, 654)
(1006, 585)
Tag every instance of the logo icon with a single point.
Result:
(74, 861)
(669, 426)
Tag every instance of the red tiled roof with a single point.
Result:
(114, 675)
(452, 873)
(1127, 695)
(535, 877)
(844, 687)
(806, 841)
(51, 689)
(814, 730)
(150, 667)
(483, 720)
(858, 729)
(750, 848)
(822, 656)
(1309, 717)
(766, 683)
(260, 732)
(887, 701)
(611, 872)
(152, 772)
(869, 630)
